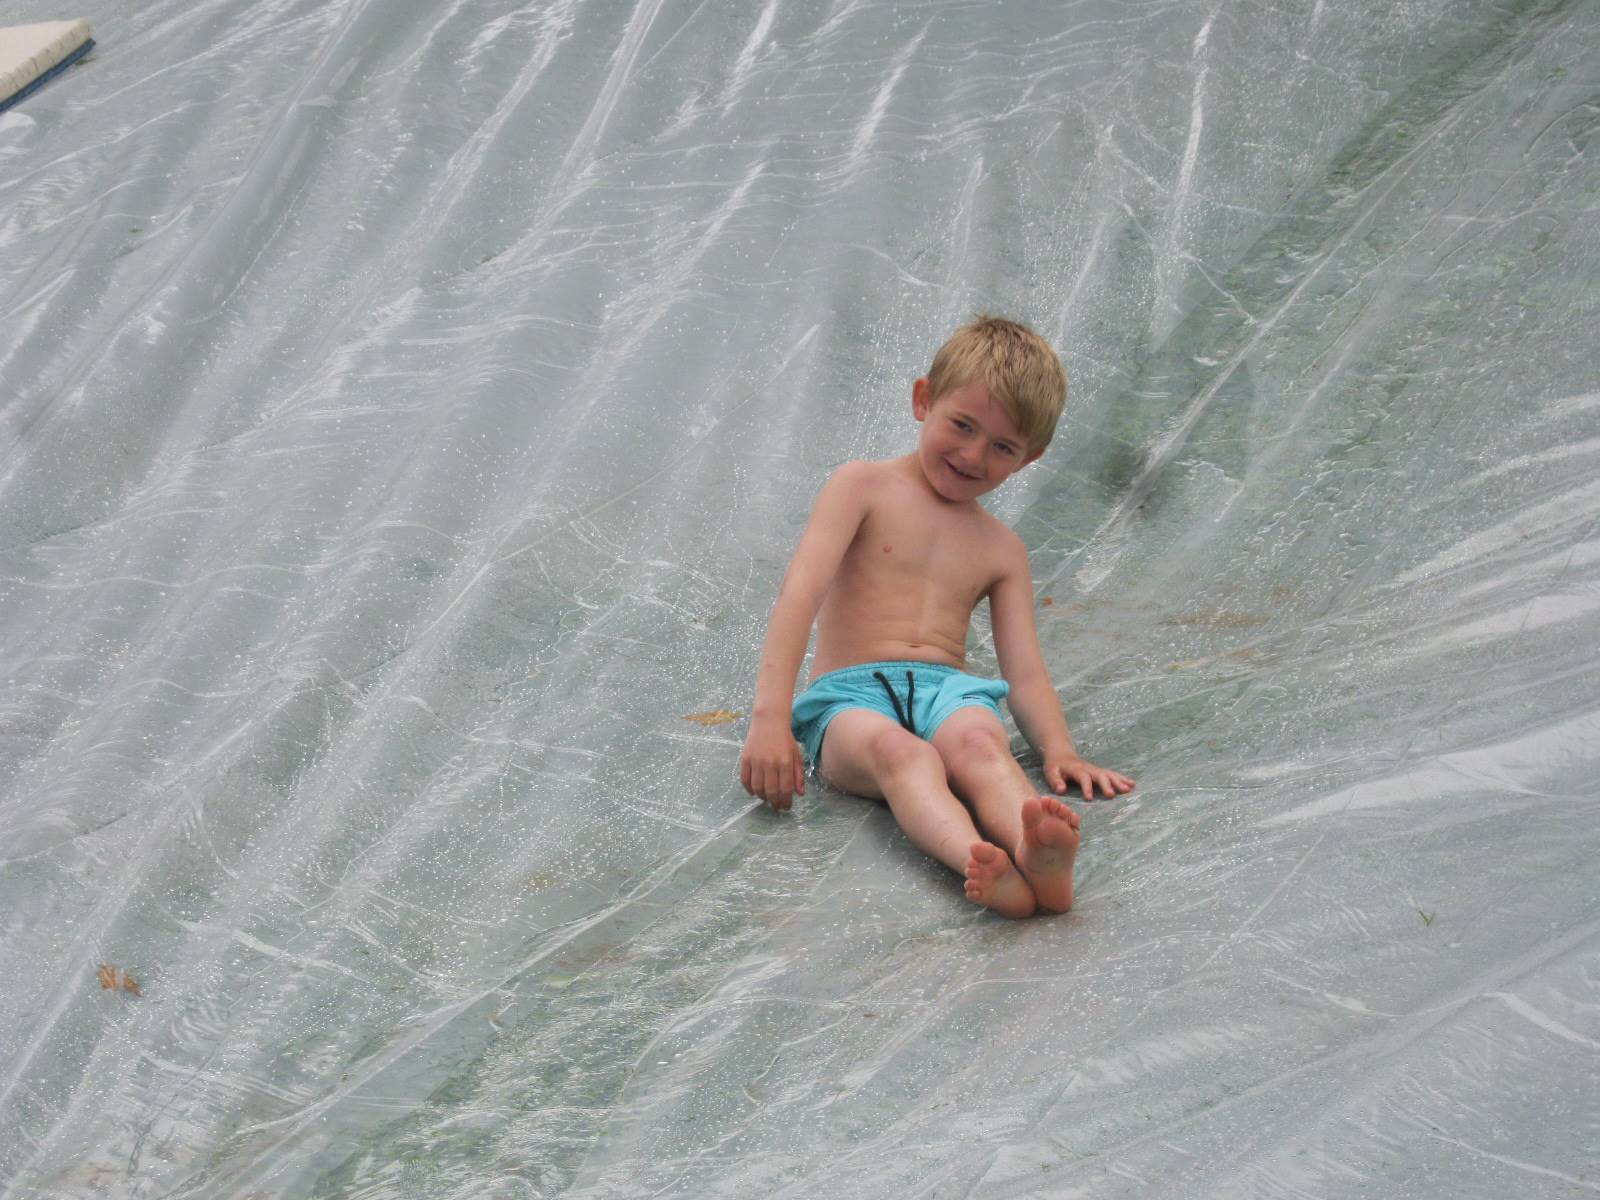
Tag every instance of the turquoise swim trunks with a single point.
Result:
(918, 695)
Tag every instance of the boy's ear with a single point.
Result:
(919, 398)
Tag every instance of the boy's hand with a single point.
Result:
(772, 766)
(1062, 769)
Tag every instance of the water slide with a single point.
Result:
(32, 55)
(406, 414)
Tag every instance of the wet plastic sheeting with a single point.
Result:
(407, 415)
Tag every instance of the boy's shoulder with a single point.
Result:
(863, 480)
(860, 471)
(891, 484)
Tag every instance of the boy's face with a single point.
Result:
(969, 445)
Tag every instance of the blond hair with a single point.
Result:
(1023, 374)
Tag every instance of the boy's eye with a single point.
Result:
(1005, 449)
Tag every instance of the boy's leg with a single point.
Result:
(866, 753)
(1040, 832)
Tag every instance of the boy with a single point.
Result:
(894, 559)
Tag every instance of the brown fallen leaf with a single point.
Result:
(115, 977)
(1212, 618)
(1046, 601)
(1189, 664)
(719, 716)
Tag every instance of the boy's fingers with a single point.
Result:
(777, 791)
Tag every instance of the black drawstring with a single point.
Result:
(911, 699)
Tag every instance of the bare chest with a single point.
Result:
(927, 559)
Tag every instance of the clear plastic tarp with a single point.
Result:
(406, 414)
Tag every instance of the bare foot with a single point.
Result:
(993, 882)
(1049, 844)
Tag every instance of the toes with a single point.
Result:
(1067, 815)
(987, 854)
(1051, 807)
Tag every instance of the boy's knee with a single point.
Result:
(981, 744)
(895, 750)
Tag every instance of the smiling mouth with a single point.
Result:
(960, 472)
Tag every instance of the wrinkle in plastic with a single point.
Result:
(407, 415)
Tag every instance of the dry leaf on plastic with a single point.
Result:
(116, 978)
(1046, 601)
(719, 716)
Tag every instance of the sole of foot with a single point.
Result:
(1049, 848)
(994, 882)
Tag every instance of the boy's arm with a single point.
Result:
(1033, 700)
(771, 766)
